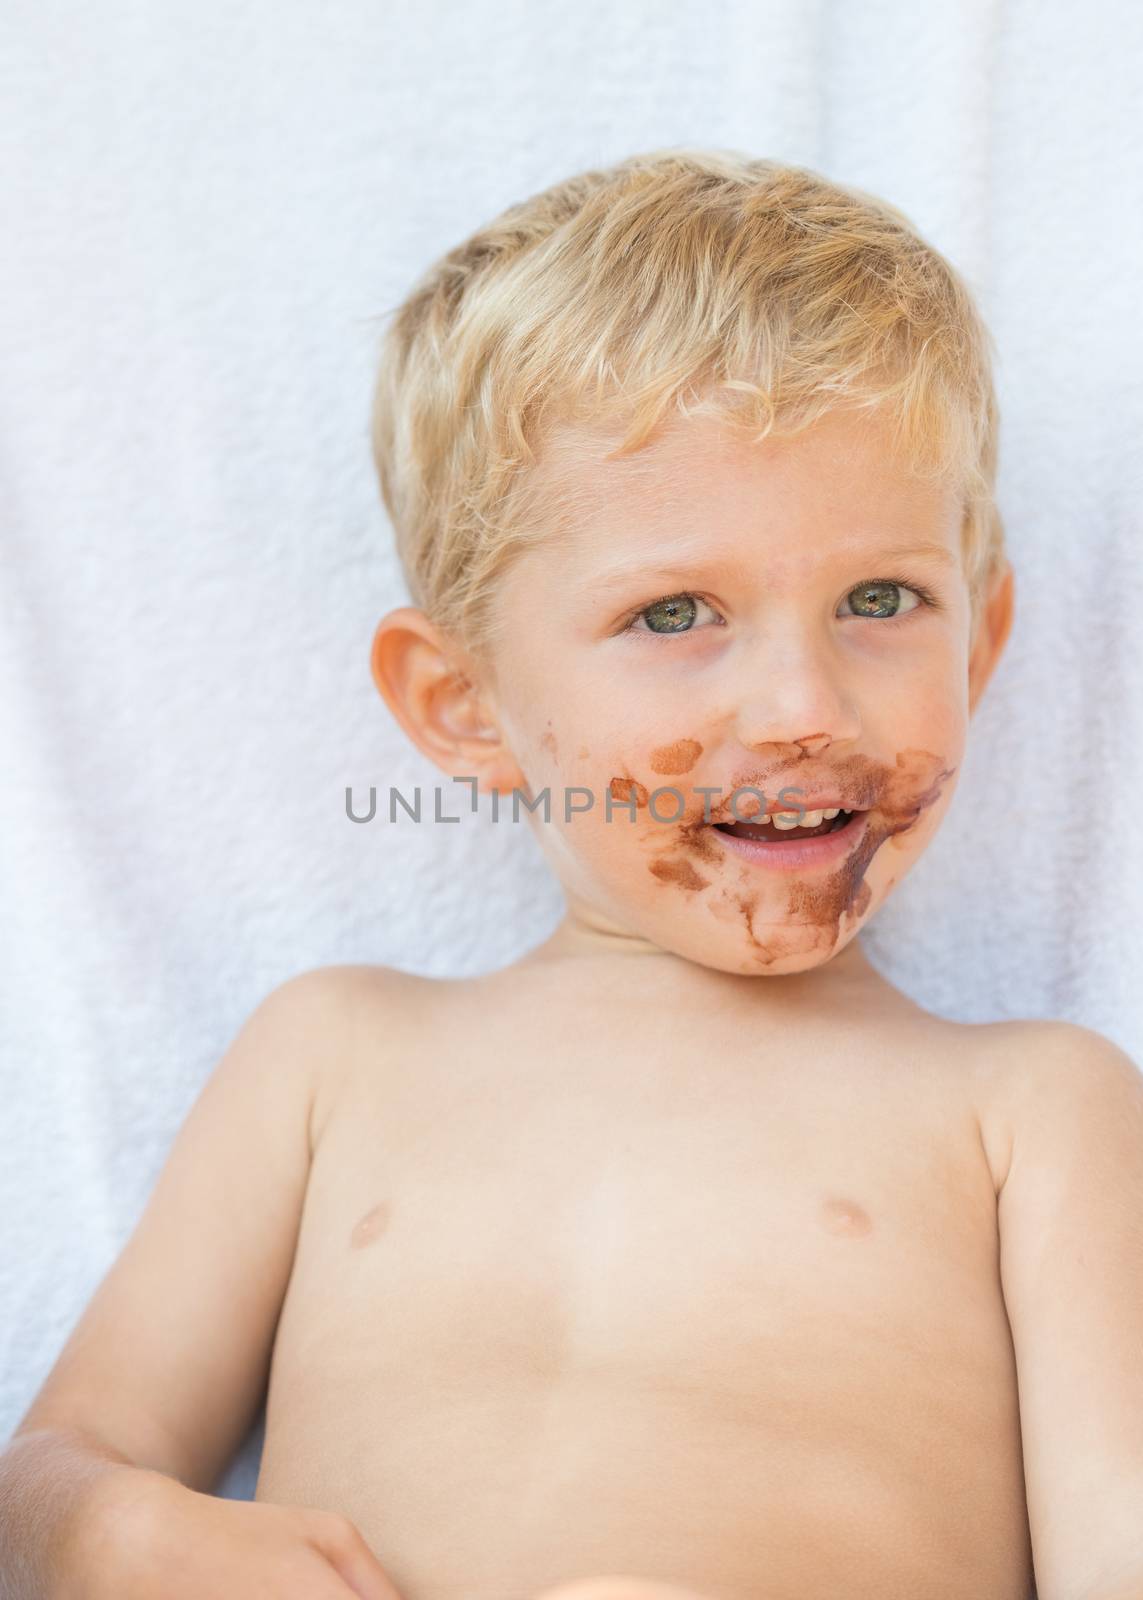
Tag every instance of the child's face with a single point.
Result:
(768, 672)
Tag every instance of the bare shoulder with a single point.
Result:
(349, 1010)
(371, 994)
(1030, 1075)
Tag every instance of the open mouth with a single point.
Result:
(772, 833)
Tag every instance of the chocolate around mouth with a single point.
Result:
(798, 913)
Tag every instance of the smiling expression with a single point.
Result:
(704, 616)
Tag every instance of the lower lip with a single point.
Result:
(798, 856)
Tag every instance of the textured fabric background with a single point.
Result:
(206, 208)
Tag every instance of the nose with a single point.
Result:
(791, 687)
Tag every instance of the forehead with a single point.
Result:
(838, 482)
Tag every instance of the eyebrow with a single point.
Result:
(626, 571)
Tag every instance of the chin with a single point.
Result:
(782, 956)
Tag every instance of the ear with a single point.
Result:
(993, 625)
(431, 687)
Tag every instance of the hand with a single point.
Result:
(145, 1536)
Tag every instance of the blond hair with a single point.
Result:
(700, 279)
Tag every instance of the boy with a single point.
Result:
(686, 1257)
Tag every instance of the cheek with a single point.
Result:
(925, 704)
(570, 759)
(558, 739)
(586, 744)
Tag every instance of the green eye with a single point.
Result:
(674, 613)
(880, 597)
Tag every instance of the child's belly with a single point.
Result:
(750, 1344)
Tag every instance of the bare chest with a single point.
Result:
(653, 1313)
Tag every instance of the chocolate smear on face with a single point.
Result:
(621, 789)
(678, 870)
(675, 758)
(893, 797)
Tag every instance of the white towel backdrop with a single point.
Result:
(204, 205)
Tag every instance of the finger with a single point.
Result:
(343, 1546)
(366, 1576)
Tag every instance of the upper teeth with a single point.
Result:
(793, 819)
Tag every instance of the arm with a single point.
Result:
(45, 1479)
(168, 1364)
(1070, 1215)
